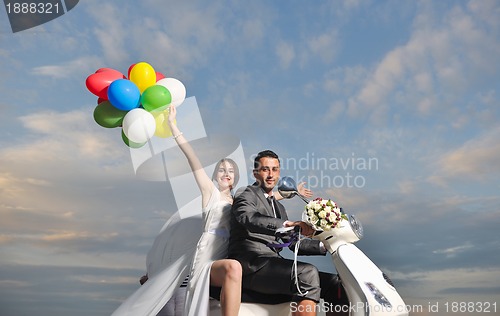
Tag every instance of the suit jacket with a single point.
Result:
(253, 226)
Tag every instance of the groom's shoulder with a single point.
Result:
(249, 189)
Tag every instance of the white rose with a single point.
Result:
(328, 209)
(322, 214)
(323, 223)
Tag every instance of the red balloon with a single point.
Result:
(159, 76)
(104, 69)
(99, 82)
(129, 69)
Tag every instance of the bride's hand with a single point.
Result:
(305, 192)
(172, 113)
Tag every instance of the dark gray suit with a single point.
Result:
(253, 227)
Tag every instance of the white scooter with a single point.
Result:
(370, 291)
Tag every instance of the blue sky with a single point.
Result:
(412, 85)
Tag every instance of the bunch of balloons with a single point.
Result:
(139, 104)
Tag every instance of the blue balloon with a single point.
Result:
(124, 94)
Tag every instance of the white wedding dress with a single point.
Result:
(175, 254)
(212, 246)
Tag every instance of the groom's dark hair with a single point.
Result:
(265, 153)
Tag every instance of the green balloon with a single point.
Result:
(106, 115)
(130, 143)
(155, 97)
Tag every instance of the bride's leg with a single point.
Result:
(226, 273)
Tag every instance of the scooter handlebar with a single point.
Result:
(286, 231)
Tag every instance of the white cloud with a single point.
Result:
(11, 186)
(40, 174)
(442, 59)
(61, 136)
(325, 45)
(453, 251)
(486, 10)
(14, 284)
(343, 83)
(477, 159)
(285, 53)
(85, 64)
(66, 235)
(423, 82)
(110, 30)
(384, 78)
(344, 9)
(253, 32)
(430, 284)
(61, 197)
(174, 40)
(335, 110)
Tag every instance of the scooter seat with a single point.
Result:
(249, 296)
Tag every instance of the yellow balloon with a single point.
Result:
(162, 128)
(143, 75)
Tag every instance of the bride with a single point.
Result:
(210, 266)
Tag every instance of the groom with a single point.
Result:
(255, 218)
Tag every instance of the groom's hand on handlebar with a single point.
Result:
(305, 229)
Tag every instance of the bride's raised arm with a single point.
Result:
(202, 179)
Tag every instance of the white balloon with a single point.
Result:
(176, 88)
(139, 125)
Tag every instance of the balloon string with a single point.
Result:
(296, 252)
(298, 238)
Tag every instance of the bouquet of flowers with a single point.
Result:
(323, 214)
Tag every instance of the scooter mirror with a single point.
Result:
(288, 188)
